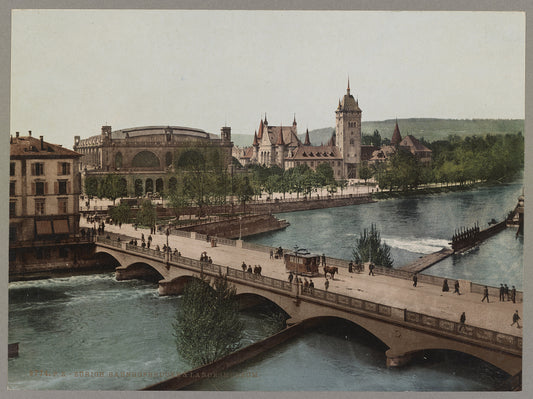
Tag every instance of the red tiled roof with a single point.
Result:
(29, 146)
(321, 152)
(413, 144)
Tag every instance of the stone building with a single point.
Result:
(280, 145)
(143, 156)
(44, 189)
(408, 143)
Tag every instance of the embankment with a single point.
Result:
(216, 368)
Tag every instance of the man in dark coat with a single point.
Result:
(485, 294)
(502, 291)
(462, 322)
(513, 294)
(515, 319)
(456, 288)
(415, 279)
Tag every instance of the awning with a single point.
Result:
(61, 226)
(43, 227)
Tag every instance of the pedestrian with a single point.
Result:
(415, 279)
(462, 322)
(502, 293)
(515, 319)
(271, 254)
(323, 259)
(445, 287)
(513, 294)
(371, 269)
(243, 266)
(506, 292)
(249, 269)
(291, 277)
(485, 294)
(456, 287)
(142, 237)
(326, 284)
(350, 267)
(311, 284)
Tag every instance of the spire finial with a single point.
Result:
(294, 121)
(348, 89)
(266, 122)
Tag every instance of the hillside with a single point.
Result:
(429, 128)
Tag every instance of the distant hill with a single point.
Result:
(430, 129)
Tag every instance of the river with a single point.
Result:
(87, 332)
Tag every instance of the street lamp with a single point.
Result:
(240, 227)
(167, 255)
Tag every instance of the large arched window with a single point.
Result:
(159, 186)
(118, 160)
(149, 187)
(145, 159)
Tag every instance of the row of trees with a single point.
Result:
(456, 160)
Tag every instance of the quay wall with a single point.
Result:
(217, 367)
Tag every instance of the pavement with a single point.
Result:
(425, 298)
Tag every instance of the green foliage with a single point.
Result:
(207, 324)
(147, 214)
(365, 172)
(112, 186)
(91, 186)
(120, 213)
(374, 139)
(368, 248)
(177, 200)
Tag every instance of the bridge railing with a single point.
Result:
(226, 241)
(257, 247)
(181, 233)
(435, 323)
(109, 241)
(269, 281)
(146, 251)
(476, 333)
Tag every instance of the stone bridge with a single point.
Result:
(403, 331)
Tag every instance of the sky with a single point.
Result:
(73, 71)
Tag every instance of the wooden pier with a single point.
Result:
(426, 261)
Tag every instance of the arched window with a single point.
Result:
(149, 186)
(145, 159)
(118, 160)
(159, 186)
(138, 188)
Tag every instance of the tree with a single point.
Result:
(120, 213)
(244, 190)
(365, 172)
(177, 200)
(207, 325)
(147, 215)
(112, 187)
(368, 248)
(91, 186)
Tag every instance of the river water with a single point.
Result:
(87, 332)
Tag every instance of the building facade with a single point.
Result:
(144, 156)
(280, 145)
(44, 189)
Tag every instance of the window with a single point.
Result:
(39, 188)
(39, 207)
(351, 141)
(63, 168)
(62, 188)
(62, 206)
(12, 208)
(12, 169)
(37, 169)
(12, 188)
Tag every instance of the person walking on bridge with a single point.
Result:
(456, 287)
(502, 292)
(371, 268)
(515, 319)
(485, 294)
(513, 294)
(462, 322)
(326, 284)
(415, 279)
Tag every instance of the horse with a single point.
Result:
(331, 270)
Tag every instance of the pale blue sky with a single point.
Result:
(75, 70)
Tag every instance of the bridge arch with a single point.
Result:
(140, 270)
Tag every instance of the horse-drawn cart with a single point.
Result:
(302, 262)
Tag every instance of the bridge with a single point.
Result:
(406, 319)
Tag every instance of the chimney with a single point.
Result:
(29, 132)
(17, 135)
(42, 142)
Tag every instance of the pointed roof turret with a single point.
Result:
(256, 143)
(396, 136)
(280, 136)
(266, 122)
(307, 142)
(260, 131)
(294, 121)
(348, 89)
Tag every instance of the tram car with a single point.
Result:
(302, 262)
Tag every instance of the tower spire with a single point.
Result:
(294, 121)
(348, 89)
(280, 137)
(307, 142)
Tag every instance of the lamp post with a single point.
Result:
(167, 255)
(240, 227)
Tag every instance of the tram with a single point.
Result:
(302, 262)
